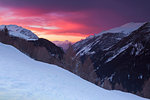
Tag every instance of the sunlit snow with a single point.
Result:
(20, 32)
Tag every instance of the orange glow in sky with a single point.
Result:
(52, 26)
(72, 20)
(63, 37)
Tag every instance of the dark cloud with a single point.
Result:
(76, 5)
(52, 5)
(98, 14)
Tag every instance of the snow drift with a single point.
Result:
(22, 78)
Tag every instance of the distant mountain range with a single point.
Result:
(63, 44)
(121, 57)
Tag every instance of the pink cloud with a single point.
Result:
(77, 23)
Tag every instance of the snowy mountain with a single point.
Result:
(18, 31)
(40, 49)
(104, 40)
(125, 29)
(23, 78)
(128, 62)
(120, 57)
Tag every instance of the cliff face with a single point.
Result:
(41, 49)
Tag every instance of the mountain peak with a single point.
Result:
(126, 28)
(18, 31)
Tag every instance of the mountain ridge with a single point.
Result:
(18, 31)
(111, 55)
(118, 32)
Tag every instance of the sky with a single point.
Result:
(72, 20)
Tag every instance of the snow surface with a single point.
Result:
(22, 78)
(20, 32)
(126, 29)
(118, 52)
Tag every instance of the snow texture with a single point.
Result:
(85, 50)
(20, 32)
(22, 78)
(118, 52)
(139, 47)
(126, 29)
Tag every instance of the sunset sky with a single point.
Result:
(60, 20)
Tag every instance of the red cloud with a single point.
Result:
(47, 23)
(76, 23)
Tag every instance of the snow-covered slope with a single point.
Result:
(22, 78)
(126, 28)
(20, 32)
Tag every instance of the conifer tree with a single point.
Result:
(5, 30)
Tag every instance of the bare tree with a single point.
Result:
(5, 30)
(87, 71)
(69, 59)
(73, 63)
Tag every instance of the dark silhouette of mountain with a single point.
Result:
(121, 61)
